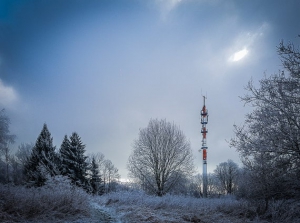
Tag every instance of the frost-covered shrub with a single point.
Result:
(58, 199)
(140, 198)
(176, 208)
(283, 211)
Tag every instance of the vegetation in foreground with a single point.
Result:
(57, 201)
(60, 201)
(136, 206)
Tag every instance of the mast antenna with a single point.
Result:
(204, 121)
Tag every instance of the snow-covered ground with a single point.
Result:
(136, 206)
(61, 202)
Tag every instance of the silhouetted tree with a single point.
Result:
(110, 175)
(64, 154)
(95, 181)
(43, 160)
(73, 160)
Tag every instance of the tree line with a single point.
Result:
(33, 164)
(161, 162)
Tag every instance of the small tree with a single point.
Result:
(5, 139)
(43, 160)
(160, 157)
(227, 173)
(110, 176)
(19, 160)
(95, 181)
(64, 154)
(213, 186)
(23, 153)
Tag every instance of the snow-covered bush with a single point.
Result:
(58, 199)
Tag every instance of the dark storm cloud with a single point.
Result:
(27, 24)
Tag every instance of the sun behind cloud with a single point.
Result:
(239, 55)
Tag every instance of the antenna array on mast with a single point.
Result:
(204, 121)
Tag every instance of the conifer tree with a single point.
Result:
(64, 154)
(43, 159)
(96, 183)
(74, 163)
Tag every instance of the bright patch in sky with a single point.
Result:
(7, 94)
(239, 55)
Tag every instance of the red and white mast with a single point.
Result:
(204, 120)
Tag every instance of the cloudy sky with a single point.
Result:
(104, 68)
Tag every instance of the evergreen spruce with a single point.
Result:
(64, 154)
(43, 160)
(73, 160)
(96, 183)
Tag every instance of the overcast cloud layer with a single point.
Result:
(105, 68)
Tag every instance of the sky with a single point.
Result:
(104, 68)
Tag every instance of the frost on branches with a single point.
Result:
(161, 158)
(73, 160)
(42, 161)
(269, 140)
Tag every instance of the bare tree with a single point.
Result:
(195, 187)
(227, 174)
(23, 153)
(5, 139)
(110, 175)
(269, 140)
(213, 185)
(99, 158)
(160, 157)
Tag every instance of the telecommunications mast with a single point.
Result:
(204, 120)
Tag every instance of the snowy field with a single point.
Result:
(63, 203)
(136, 206)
